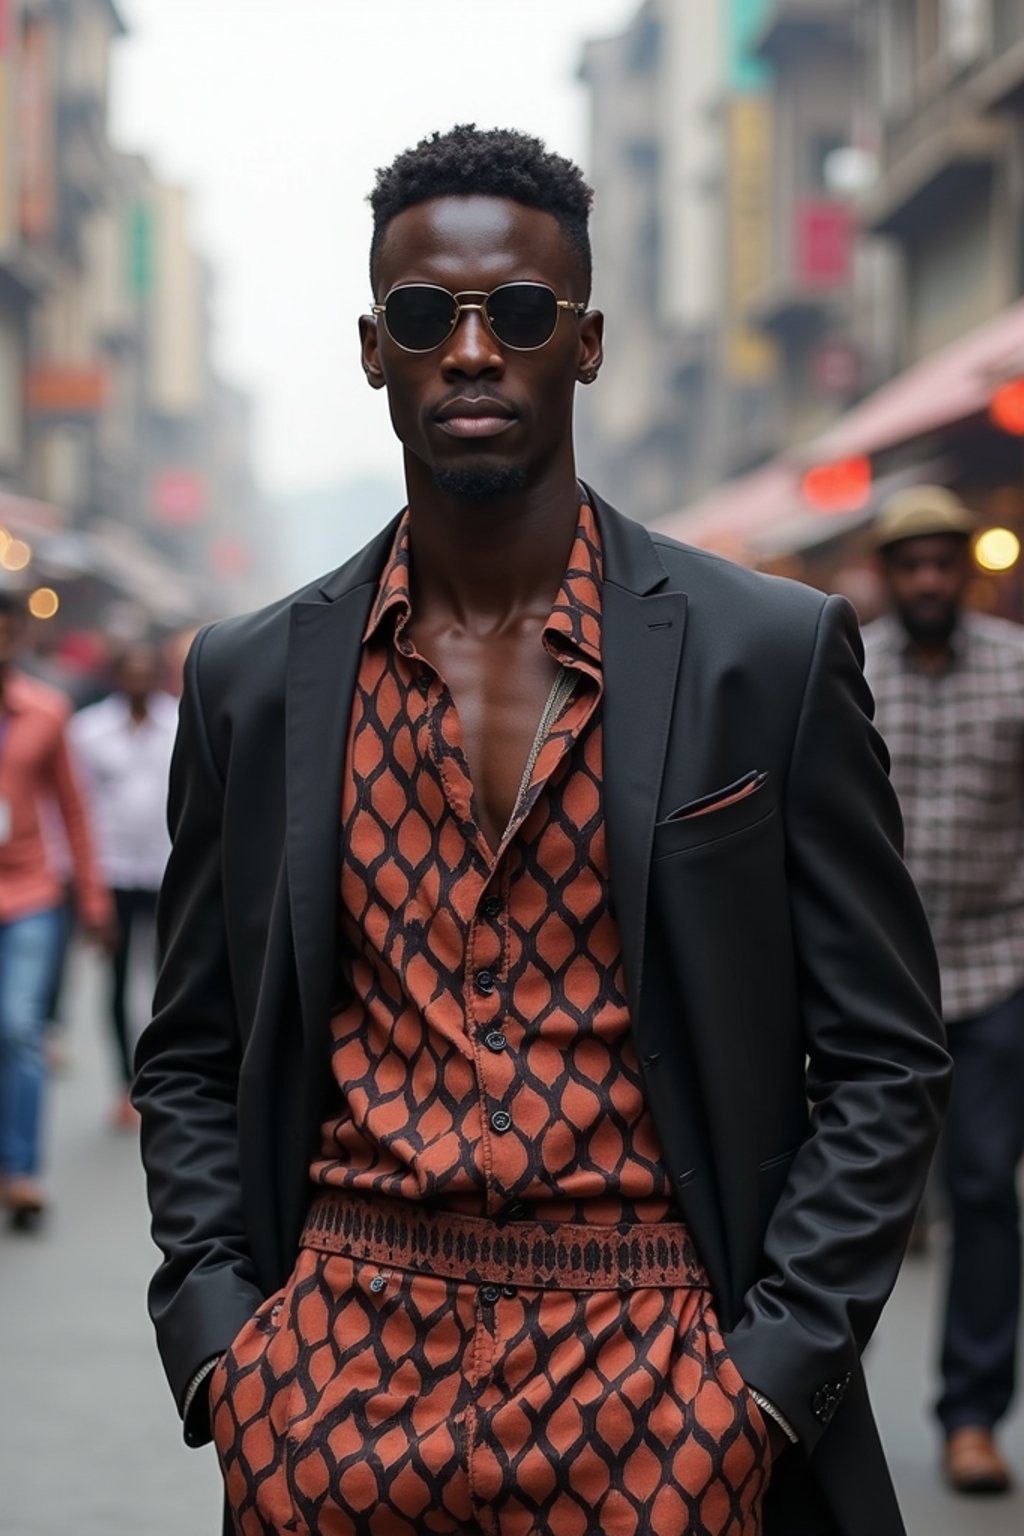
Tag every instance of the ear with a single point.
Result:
(369, 343)
(591, 338)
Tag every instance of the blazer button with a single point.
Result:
(501, 1121)
(495, 1040)
(484, 982)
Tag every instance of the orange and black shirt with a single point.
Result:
(484, 1060)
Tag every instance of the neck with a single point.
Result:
(5, 672)
(483, 562)
(932, 653)
(139, 709)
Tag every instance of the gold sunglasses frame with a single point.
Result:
(570, 305)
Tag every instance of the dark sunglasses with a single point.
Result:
(523, 316)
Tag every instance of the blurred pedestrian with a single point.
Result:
(949, 689)
(34, 767)
(123, 746)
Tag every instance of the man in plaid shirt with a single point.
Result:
(949, 690)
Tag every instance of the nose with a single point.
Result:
(472, 351)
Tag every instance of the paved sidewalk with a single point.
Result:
(89, 1439)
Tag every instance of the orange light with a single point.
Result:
(43, 603)
(842, 486)
(1006, 407)
(16, 555)
(997, 549)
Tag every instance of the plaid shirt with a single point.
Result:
(957, 745)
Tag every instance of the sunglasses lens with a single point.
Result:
(419, 317)
(523, 314)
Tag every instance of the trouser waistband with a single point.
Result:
(551, 1255)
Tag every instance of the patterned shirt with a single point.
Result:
(484, 1061)
(957, 745)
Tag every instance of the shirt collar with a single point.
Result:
(959, 641)
(574, 624)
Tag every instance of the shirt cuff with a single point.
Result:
(767, 1406)
(192, 1390)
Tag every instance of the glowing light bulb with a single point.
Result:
(43, 603)
(997, 549)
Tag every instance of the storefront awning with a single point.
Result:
(954, 384)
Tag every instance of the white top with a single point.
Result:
(124, 768)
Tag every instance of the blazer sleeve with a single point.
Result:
(187, 1065)
(878, 1070)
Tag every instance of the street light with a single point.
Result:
(997, 549)
(15, 555)
(43, 603)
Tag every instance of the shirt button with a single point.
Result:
(495, 1040)
(501, 1121)
(423, 683)
(489, 1293)
(484, 982)
(492, 906)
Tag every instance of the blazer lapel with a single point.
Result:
(324, 648)
(641, 644)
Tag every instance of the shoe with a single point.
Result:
(26, 1207)
(973, 1463)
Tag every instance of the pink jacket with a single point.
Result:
(34, 768)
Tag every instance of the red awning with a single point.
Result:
(727, 515)
(952, 384)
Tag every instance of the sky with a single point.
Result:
(276, 114)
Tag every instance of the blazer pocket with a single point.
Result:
(718, 799)
(712, 817)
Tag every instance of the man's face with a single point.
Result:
(483, 418)
(138, 674)
(927, 578)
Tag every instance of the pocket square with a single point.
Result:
(718, 799)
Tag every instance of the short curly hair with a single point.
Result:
(489, 162)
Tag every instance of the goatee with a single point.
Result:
(932, 628)
(481, 482)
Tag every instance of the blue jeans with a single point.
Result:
(29, 947)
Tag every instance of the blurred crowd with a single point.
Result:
(86, 733)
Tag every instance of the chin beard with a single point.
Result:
(933, 629)
(481, 482)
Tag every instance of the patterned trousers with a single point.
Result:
(429, 1373)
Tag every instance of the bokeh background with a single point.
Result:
(809, 245)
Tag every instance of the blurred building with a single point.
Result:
(820, 270)
(125, 463)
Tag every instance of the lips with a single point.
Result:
(479, 417)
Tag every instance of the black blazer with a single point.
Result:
(781, 979)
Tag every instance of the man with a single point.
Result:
(34, 769)
(123, 745)
(949, 688)
(498, 924)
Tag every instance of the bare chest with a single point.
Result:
(500, 689)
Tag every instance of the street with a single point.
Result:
(89, 1439)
